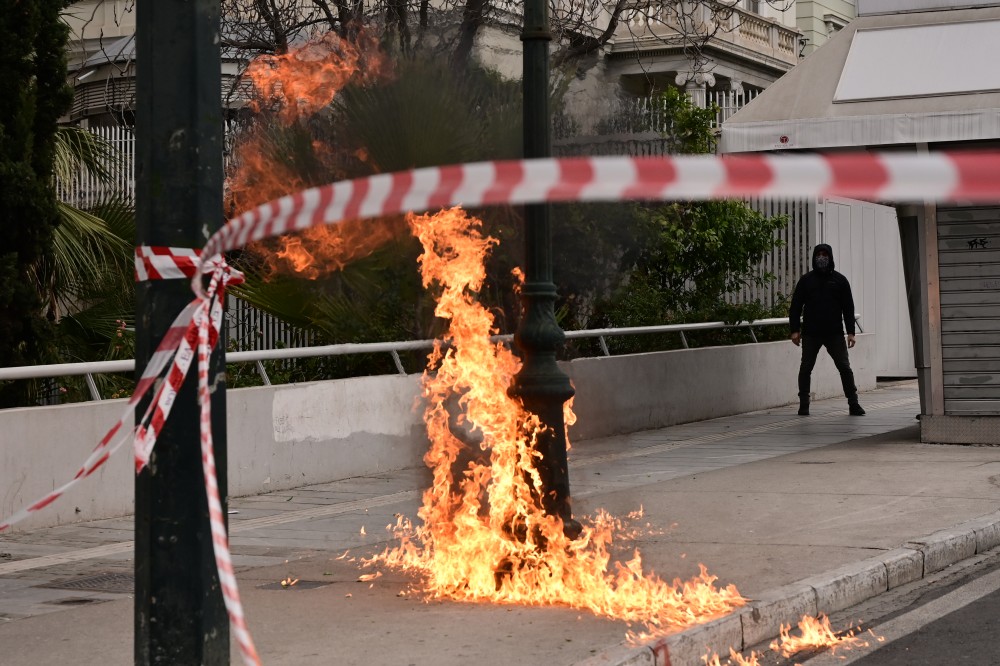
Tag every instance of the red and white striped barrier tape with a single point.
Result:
(202, 329)
(197, 327)
(164, 263)
(117, 435)
(937, 177)
(968, 176)
(167, 263)
(209, 322)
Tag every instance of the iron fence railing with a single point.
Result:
(88, 370)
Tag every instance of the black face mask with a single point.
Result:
(822, 262)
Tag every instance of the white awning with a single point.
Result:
(920, 61)
(883, 80)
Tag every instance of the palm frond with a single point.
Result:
(83, 246)
(118, 214)
(93, 328)
(78, 149)
(286, 298)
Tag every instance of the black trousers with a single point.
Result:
(836, 346)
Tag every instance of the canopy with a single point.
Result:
(896, 79)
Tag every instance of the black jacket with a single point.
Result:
(822, 303)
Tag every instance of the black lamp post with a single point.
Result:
(179, 613)
(540, 384)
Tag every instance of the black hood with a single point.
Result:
(829, 251)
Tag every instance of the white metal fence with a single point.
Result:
(643, 115)
(729, 102)
(84, 190)
(89, 369)
(646, 115)
(248, 328)
(790, 261)
(251, 329)
(623, 116)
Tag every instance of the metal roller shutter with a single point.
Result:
(969, 262)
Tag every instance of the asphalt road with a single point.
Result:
(952, 620)
(966, 636)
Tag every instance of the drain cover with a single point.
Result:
(112, 582)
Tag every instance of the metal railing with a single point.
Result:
(88, 370)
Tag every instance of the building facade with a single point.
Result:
(719, 52)
(101, 64)
(911, 76)
(819, 20)
(744, 46)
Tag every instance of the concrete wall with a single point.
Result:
(287, 436)
(622, 394)
(278, 437)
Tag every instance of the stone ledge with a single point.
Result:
(849, 585)
(904, 565)
(784, 605)
(944, 548)
(690, 645)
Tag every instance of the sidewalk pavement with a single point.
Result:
(802, 514)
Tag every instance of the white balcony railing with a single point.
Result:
(727, 25)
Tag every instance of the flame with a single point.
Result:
(299, 257)
(289, 581)
(274, 160)
(321, 250)
(816, 633)
(735, 659)
(295, 85)
(306, 79)
(484, 536)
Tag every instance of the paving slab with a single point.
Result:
(764, 500)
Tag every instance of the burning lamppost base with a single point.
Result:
(544, 388)
(541, 385)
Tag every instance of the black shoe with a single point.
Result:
(804, 409)
(856, 410)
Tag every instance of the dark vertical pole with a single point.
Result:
(179, 613)
(540, 384)
(909, 222)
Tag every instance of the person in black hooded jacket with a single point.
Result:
(822, 305)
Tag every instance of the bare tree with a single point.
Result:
(267, 26)
(579, 27)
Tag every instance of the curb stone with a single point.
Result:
(848, 585)
(688, 646)
(840, 588)
(768, 611)
(944, 548)
(987, 531)
(903, 565)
